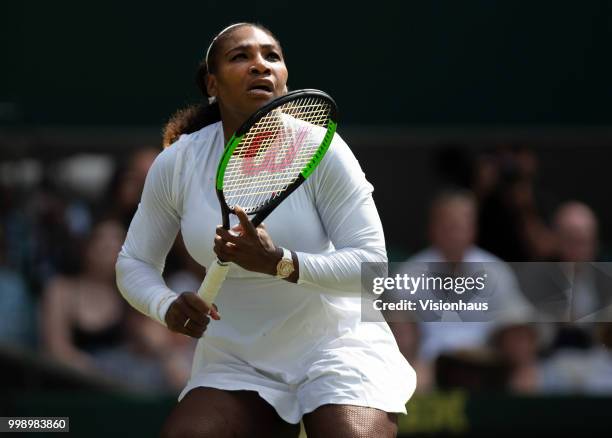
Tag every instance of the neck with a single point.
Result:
(228, 130)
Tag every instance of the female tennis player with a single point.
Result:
(286, 343)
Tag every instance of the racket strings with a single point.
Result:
(274, 151)
(272, 182)
(268, 131)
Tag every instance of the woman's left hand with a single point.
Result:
(249, 247)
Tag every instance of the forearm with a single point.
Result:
(143, 287)
(339, 271)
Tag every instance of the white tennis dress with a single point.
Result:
(298, 345)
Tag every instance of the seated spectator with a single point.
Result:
(518, 345)
(82, 315)
(452, 232)
(576, 229)
(576, 363)
(576, 289)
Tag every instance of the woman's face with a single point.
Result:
(250, 71)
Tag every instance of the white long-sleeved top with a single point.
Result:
(275, 326)
(331, 223)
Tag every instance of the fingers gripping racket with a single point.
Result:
(269, 157)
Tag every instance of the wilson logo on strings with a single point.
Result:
(253, 164)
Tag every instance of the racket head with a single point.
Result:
(274, 151)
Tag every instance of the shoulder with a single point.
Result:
(340, 175)
(187, 146)
(477, 254)
(203, 138)
(426, 255)
(339, 158)
(340, 172)
(340, 149)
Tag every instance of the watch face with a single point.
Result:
(284, 268)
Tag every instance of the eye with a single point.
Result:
(273, 56)
(238, 56)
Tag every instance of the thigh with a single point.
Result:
(348, 421)
(210, 412)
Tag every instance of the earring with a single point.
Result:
(212, 99)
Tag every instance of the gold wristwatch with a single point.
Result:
(284, 267)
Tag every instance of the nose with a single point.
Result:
(259, 66)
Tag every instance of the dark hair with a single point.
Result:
(196, 117)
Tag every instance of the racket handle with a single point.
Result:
(215, 275)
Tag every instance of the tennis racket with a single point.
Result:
(267, 158)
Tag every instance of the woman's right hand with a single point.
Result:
(188, 314)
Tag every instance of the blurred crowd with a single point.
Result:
(491, 213)
(58, 296)
(58, 248)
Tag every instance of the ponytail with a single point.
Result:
(194, 117)
(190, 119)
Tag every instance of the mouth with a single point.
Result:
(261, 88)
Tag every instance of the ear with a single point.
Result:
(211, 85)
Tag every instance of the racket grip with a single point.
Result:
(215, 275)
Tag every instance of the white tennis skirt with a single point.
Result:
(296, 371)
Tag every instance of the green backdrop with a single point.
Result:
(427, 62)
